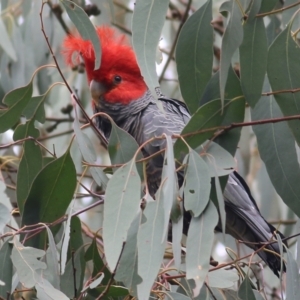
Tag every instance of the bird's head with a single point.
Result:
(119, 79)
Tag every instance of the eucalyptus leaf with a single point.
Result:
(120, 208)
(197, 184)
(85, 27)
(232, 39)
(199, 244)
(56, 181)
(194, 55)
(151, 247)
(147, 22)
(6, 267)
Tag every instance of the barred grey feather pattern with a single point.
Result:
(144, 120)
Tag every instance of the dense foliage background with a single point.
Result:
(237, 60)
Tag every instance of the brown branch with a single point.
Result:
(112, 275)
(276, 11)
(281, 92)
(100, 135)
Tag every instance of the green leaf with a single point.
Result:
(30, 166)
(283, 73)
(245, 290)
(25, 130)
(88, 152)
(207, 116)
(27, 263)
(276, 146)
(194, 55)
(234, 113)
(92, 253)
(232, 39)
(197, 184)
(199, 244)
(76, 245)
(253, 56)
(151, 245)
(85, 27)
(54, 186)
(67, 279)
(16, 100)
(267, 6)
(120, 208)
(273, 28)
(127, 271)
(35, 108)
(121, 146)
(147, 23)
(6, 268)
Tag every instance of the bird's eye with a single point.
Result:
(117, 79)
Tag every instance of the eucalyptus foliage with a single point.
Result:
(76, 220)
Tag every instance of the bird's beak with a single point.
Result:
(97, 89)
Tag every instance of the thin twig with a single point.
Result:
(184, 18)
(112, 275)
(102, 138)
(276, 11)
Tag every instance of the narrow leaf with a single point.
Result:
(283, 74)
(169, 184)
(245, 290)
(88, 152)
(92, 253)
(147, 22)
(234, 113)
(197, 184)
(199, 244)
(292, 277)
(30, 166)
(54, 186)
(6, 268)
(85, 27)
(194, 55)
(276, 146)
(121, 146)
(151, 248)
(123, 194)
(253, 55)
(16, 100)
(232, 39)
(127, 271)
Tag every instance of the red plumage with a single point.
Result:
(118, 59)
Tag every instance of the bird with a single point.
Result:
(119, 90)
